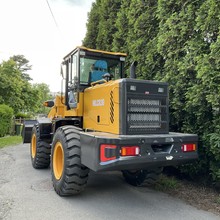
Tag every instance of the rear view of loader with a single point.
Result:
(103, 121)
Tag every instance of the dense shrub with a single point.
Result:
(21, 115)
(214, 154)
(6, 114)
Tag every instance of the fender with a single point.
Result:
(45, 125)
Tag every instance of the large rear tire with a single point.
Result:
(142, 177)
(69, 176)
(40, 150)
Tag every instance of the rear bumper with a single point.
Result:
(156, 150)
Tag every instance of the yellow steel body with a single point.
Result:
(96, 105)
(59, 110)
(100, 102)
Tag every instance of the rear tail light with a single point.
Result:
(110, 152)
(130, 151)
(107, 152)
(188, 147)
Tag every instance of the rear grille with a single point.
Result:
(146, 115)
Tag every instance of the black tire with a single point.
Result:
(69, 176)
(142, 177)
(40, 150)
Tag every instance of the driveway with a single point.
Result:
(26, 193)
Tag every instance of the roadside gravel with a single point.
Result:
(203, 198)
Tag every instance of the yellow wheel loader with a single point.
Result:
(103, 121)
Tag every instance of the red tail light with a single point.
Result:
(107, 152)
(130, 151)
(188, 147)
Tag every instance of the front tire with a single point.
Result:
(40, 150)
(69, 176)
(142, 177)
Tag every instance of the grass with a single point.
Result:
(167, 183)
(218, 200)
(10, 140)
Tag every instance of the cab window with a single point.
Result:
(91, 66)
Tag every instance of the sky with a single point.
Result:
(28, 28)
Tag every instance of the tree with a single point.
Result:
(120, 42)
(43, 94)
(11, 84)
(208, 77)
(101, 24)
(22, 65)
(142, 37)
(15, 89)
(92, 26)
(108, 11)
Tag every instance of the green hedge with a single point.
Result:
(23, 115)
(6, 114)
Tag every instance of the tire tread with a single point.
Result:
(75, 175)
(42, 158)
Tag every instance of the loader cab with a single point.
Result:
(84, 67)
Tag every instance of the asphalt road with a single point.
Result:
(26, 193)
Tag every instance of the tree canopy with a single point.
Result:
(22, 65)
(178, 42)
(16, 90)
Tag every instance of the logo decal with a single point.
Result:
(98, 102)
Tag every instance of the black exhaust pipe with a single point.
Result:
(132, 70)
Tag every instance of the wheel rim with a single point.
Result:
(33, 146)
(58, 160)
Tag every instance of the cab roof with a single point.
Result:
(95, 51)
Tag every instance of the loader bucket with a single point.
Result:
(27, 130)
